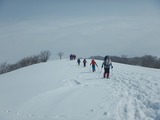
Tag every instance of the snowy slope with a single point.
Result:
(62, 90)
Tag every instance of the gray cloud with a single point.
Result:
(131, 30)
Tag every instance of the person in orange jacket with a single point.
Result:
(94, 64)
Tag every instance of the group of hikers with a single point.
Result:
(72, 57)
(107, 64)
(79, 61)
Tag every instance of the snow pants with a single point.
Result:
(106, 72)
(93, 68)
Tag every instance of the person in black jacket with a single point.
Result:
(78, 61)
(84, 62)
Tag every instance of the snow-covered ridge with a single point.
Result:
(62, 90)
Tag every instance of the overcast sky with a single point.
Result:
(82, 27)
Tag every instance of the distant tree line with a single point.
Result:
(145, 61)
(42, 57)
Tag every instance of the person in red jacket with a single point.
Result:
(94, 64)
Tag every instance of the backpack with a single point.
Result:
(107, 61)
(106, 57)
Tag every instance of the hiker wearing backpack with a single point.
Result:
(78, 61)
(84, 62)
(107, 64)
(94, 64)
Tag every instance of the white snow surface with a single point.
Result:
(62, 90)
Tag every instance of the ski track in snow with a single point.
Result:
(127, 95)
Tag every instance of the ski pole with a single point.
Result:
(90, 68)
(101, 69)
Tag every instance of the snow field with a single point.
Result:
(62, 90)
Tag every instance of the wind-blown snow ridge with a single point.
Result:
(62, 90)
